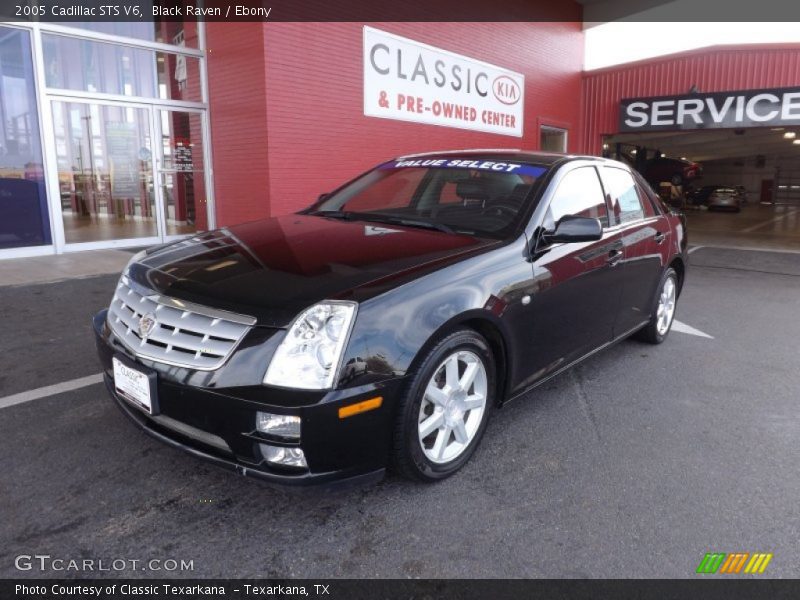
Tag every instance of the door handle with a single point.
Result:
(614, 256)
(660, 237)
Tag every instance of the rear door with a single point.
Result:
(577, 286)
(643, 233)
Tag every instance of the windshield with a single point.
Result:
(476, 197)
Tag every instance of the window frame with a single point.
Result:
(610, 201)
(647, 190)
(543, 127)
(556, 184)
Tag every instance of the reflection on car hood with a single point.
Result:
(272, 269)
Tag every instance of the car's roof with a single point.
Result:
(541, 158)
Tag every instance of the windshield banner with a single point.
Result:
(467, 163)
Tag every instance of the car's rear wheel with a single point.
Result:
(658, 328)
(444, 412)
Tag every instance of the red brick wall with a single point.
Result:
(237, 88)
(316, 133)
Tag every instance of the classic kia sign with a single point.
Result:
(410, 81)
(746, 108)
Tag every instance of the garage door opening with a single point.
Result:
(740, 188)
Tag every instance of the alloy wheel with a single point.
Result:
(452, 407)
(666, 306)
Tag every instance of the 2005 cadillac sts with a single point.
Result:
(383, 324)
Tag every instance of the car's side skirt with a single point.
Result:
(617, 339)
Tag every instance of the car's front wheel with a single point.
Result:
(444, 412)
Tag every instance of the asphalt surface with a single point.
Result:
(634, 464)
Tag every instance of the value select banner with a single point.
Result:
(409, 81)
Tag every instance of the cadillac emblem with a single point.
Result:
(146, 325)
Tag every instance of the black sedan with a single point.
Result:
(383, 325)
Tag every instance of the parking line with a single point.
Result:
(695, 248)
(752, 228)
(682, 327)
(51, 390)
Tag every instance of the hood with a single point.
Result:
(273, 269)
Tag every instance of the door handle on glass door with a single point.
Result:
(660, 237)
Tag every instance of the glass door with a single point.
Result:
(105, 171)
(180, 167)
(129, 173)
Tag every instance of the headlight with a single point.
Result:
(308, 357)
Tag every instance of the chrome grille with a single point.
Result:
(183, 334)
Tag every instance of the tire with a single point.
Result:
(441, 452)
(655, 332)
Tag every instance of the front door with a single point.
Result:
(128, 173)
(577, 285)
(767, 196)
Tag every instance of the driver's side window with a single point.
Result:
(579, 193)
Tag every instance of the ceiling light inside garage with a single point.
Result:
(796, 142)
(790, 135)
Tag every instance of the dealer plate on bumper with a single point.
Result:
(134, 385)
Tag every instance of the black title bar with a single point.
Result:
(65, 11)
(390, 589)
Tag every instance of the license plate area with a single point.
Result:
(135, 384)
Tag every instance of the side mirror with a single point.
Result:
(323, 197)
(571, 229)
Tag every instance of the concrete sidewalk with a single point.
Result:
(59, 267)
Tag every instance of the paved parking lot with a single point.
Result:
(634, 464)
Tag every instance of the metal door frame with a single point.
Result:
(157, 110)
(153, 112)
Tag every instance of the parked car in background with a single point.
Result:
(674, 170)
(383, 324)
(699, 196)
(725, 198)
(720, 195)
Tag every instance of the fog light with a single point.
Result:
(285, 457)
(285, 426)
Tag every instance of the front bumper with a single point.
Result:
(216, 421)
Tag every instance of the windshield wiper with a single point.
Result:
(407, 222)
(426, 225)
(345, 215)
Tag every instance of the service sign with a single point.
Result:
(721, 110)
(410, 81)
